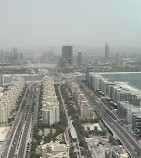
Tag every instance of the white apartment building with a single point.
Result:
(50, 114)
(130, 111)
(9, 98)
(114, 90)
(127, 101)
(50, 110)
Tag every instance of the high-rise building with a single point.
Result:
(136, 123)
(117, 59)
(9, 98)
(20, 58)
(88, 70)
(1, 56)
(67, 54)
(50, 110)
(79, 59)
(106, 51)
(15, 54)
(12, 57)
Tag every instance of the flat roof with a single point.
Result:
(3, 133)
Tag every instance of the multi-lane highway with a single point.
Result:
(35, 113)
(16, 137)
(130, 144)
(18, 141)
(15, 125)
(22, 149)
(23, 144)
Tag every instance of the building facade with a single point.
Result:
(85, 109)
(55, 150)
(50, 110)
(67, 53)
(126, 101)
(9, 98)
(136, 123)
(79, 59)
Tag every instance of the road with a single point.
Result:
(129, 143)
(22, 149)
(35, 113)
(19, 132)
(23, 144)
(14, 126)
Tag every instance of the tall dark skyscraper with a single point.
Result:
(79, 59)
(106, 51)
(67, 54)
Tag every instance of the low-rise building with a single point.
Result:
(55, 150)
(116, 152)
(92, 126)
(72, 133)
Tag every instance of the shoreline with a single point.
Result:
(125, 84)
(119, 73)
(130, 88)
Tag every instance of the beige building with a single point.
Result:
(86, 111)
(117, 60)
(116, 152)
(55, 150)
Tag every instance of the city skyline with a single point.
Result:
(32, 23)
(70, 75)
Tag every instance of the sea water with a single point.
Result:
(133, 79)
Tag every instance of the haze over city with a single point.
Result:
(74, 22)
(70, 79)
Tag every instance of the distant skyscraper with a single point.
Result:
(117, 59)
(20, 58)
(79, 59)
(106, 51)
(15, 54)
(67, 54)
(15, 50)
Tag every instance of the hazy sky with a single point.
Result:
(76, 22)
